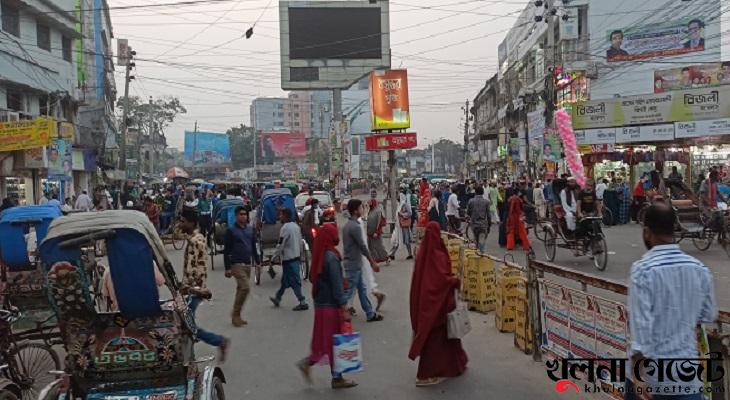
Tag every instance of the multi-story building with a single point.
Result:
(38, 78)
(300, 111)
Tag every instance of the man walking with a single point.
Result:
(239, 255)
(354, 249)
(289, 252)
(195, 273)
(494, 200)
(670, 293)
(83, 202)
(452, 211)
(478, 211)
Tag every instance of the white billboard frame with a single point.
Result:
(332, 73)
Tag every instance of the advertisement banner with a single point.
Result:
(279, 146)
(676, 106)
(596, 136)
(66, 130)
(391, 141)
(596, 148)
(27, 134)
(645, 133)
(536, 124)
(552, 147)
(582, 324)
(35, 158)
(308, 169)
(712, 127)
(514, 148)
(692, 77)
(60, 159)
(662, 39)
(555, 315)
(389, 100)
(207, 148)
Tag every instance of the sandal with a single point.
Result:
(375, 318)
(305, 367)
(429, 382)
(342, 383)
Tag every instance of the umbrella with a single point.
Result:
(177, 172)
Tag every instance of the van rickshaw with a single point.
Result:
(144, 348)
(27, 323)
(267, 217)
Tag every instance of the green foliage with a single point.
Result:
(241, 142)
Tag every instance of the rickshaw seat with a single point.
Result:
(132, 268)
(270, 234)
(13, 225)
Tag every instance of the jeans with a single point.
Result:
(291, 279)
(355, 281)
(165, 220)
(480, 235)
(210, 338)
(630, 395)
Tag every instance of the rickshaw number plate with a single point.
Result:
(156, 396)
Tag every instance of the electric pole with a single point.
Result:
(466, 136)
(195, 146)
(125, 113)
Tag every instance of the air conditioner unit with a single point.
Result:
(9, 116)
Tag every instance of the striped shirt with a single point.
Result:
(669, 294)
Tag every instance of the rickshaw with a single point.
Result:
(28, 329)
(142, 350)
(267, 217)
(587, 239)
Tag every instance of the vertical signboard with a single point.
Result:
(389, 100)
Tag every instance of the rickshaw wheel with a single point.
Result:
(7, 395)
(703, 242)
(599, 251)
(550, 243)
(178, 238)
(32, 361)
(305, 266)
(218, 392)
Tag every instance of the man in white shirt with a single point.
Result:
(600, 188)
(452, 212)
(83, 202)
(568, 200)
(43, 200)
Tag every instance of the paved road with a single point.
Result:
(261, 362)
(625, 246)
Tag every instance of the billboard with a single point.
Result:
(391, 141)
(675, 106)
(331, 44)
(26, 134)
(207, 148)
(691, 77)
(60, 159)
(389, 100)
(280, 146)
(668, 38)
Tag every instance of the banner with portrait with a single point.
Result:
(662, 39)
(692, 77)
(60, 159)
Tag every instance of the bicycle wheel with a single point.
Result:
(607, 217)
(599, 251)
(704, 241)
(29, 366)
(540, 232)
(178, 238)
(550, 243)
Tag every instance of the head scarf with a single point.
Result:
(327, 239)
(431, 286)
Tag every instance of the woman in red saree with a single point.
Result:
(330, 305)
(432, 298)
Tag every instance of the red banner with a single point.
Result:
(390, 141)
(276, 146)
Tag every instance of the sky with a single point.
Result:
(197, 53)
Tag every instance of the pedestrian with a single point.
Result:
(424, 203)
(368, 275)
(433, 212)
(84, 202)
(354, 248)
(478, 211)
(43, 200)
(195, 275)
(153, 212)
(494, 200)
(540, 202)
(289, 251)
(205, 213)
(452, 211)
(67, 207)
(622, 190)
(330, 304)
(54, 201)
(403, 229)
(375, 224)
(168, 210)
(432, 297)
(516, 224)
(239, 256)
(670, 293)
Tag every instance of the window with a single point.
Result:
(43, 36)
(14, 100)
(66, 48)
(296, 124)
(11, 19)
(296, 115)
(43, 105)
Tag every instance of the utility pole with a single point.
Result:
(195, 146)
(433, 156)
(141, 164)
(125, 113)
(337, 119)
(466, 135)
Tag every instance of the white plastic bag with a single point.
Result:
(347, 353)
(457, 321)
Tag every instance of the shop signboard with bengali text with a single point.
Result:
(391, 141)
(389, 104)
(693, 129)
(596, 148)
(27, 134)
(677, 106)
(595, 136)
(645, 133)
(536, 124)
(662, 39)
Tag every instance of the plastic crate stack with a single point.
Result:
(523, 328)
(506, 298)
(479, 283)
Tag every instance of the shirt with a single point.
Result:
(195, 264)
(564, 201)
(353, 245)
(452, 207)
(43, 200)
(290, 242)
(83, 202)
(670, 292)
(478, 211)
(587, 201)
(240, 246)
(600, 188)
(330, 289)
(204, 206)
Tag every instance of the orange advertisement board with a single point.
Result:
(389, 99)
(26, 134)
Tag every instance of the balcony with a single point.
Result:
(573, 50)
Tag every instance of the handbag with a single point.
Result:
(347, 353)
(457, 321)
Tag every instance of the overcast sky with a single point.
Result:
(448, 46)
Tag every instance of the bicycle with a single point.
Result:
(28, 363)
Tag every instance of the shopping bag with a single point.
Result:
(347, 353)
(458, 324)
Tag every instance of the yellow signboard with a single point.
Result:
(66, 130)
(29, 134)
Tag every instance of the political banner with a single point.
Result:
(692, 77)
(389, 100)
(60, 159)
(552, 147)
(662, 39)
(26, 134)
(280, 146)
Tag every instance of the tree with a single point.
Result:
(161, 112)
(241, 142)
